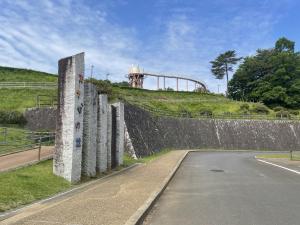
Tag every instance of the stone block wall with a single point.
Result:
(41, 119)
(150, 134)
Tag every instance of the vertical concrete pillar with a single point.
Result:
(157, 83)
(177, 84)
(109, 133)
(89, 130)
(69, 127)
(120, 132)
(102, 134)
(164, 83)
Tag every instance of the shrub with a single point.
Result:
(12, 117)
(185, 113)
(103, 86)
(294, 112)
(260, 109)
(278, 109)
(205, 112)
(283, 114)
(244, 107)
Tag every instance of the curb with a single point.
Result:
(13, 212)
(138, 217)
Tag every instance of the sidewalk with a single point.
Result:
(112, 200)
(18, 159)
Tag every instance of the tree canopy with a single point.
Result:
(222, 65)
(271, 76)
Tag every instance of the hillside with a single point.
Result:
(19, 99)
(174, 103)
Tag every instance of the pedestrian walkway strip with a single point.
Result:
(282, 167)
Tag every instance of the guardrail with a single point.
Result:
(34, 85)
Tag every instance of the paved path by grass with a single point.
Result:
(112, 200)
(15, 160)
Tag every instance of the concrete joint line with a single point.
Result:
(282, 167)
(138, 217)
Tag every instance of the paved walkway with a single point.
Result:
(112, 200)
(15, 160)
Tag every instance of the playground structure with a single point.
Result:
(136, 80)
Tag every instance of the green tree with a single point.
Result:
(223, 64)
(271, 76)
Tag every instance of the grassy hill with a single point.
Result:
(20, 99)
(174, 102)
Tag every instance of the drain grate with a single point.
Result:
(217, 171)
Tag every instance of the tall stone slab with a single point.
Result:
(89, 130)
(120, 132)
(109, 133)
(102, 134)
(68, 141)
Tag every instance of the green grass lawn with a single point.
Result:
(26, 185)
(36, 182)
(8, 74)
(295, 156)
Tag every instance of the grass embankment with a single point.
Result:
(171, 101)
(22, 98)
(36, 182)
(295, 155)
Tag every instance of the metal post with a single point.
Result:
(187, 85)
(40, 148)
(177, 84)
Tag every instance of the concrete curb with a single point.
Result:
(139, 216)
(13, 212)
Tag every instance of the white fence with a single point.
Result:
(34, 85)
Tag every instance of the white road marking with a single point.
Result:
(282, 167)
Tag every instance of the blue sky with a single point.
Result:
(162, 36)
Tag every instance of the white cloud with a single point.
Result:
(35, 34)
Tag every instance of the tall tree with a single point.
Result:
(271, 76)
(223, 64)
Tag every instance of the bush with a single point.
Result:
(283, 114)
(260, 109)
(294, 112)
(278, 109)
(185, 113)
(205, 112)
(244, 107)
(12, 117)
(103, 86)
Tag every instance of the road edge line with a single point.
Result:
(138, 217)
(282, 167)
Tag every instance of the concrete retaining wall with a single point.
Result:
(150, 134)
(40, 119)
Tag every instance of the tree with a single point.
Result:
(284, 44)
(222, 65)
(271, 76)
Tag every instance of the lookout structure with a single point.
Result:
(136, 77)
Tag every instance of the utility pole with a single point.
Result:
(107, 75)
(92, 68)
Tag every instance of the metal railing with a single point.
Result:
(46, 101)
(227, 115)
(13, 142)
(34, 85)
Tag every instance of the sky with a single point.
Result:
(173, 37)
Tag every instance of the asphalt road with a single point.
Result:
(247, 192)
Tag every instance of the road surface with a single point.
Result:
(228, 189)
